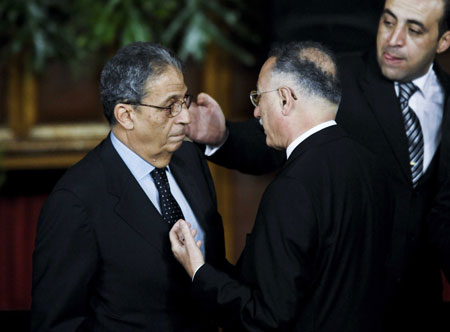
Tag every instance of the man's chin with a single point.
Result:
(174, 145)
(393, 73)
(271, 144)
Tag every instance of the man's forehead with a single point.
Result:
(419, 10)
(266, 71)
(169, 81)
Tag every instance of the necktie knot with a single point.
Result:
(159, 174)
(406, 90)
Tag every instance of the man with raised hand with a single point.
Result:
(315, 258)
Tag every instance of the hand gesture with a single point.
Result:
(184, 247)
(207, 121)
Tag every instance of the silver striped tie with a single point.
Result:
(413, 131)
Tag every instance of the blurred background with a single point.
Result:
(51, 55)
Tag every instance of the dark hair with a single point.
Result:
(444, 22)
(125, 75)
(313, 66)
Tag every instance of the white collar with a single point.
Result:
(423, 81)
(306, 134)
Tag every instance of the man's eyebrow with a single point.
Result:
(410, 21)
(174, 97)
(387, 11)
(420, 24)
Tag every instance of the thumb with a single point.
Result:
(186, 231)
(204, 99)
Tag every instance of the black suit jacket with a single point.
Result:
(315, 258)
(102, 259)
(370, 113)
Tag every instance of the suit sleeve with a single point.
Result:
(245, 150)
(277, 266)
(64, 263)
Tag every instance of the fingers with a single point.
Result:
(176, 242)
(181, 235)
(186, 232)
(203, 98)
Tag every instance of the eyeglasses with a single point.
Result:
(255, 96)
(173, 109)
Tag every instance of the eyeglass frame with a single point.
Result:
(254, 93)
(187, 100)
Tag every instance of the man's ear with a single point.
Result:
(124, 115)
(444, 42)
(286, 100)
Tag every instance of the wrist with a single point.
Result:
(195, 271)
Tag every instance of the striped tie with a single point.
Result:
(413, 131)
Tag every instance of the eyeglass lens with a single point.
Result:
(178, 106)
(254, 98)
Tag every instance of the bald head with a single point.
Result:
(322, 60)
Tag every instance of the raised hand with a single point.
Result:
(207, 121)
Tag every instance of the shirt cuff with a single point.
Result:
(211, 149)
(193, 276)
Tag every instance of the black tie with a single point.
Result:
(413, 131)
(170, 210)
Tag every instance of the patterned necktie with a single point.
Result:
(413, 131)
(170, 210)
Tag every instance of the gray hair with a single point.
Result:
(312, 66)
(125, 75)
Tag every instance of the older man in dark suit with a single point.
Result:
(102, 259)
(315, 258)
(408, 127)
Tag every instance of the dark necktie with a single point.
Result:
(413, 131)
(170, 210)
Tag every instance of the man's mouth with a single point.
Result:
(392, 58)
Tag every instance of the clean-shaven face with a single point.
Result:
(157, 135)
(407, 38)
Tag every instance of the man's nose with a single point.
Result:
(184, 116)
(397, 36)
(256, 112)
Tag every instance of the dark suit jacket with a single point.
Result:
(102, 259)
(315, 258)
(370, 113)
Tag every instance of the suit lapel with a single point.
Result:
(133, 205)
(385, 106)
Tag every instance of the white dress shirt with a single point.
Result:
(141, 171)
(291, 147)
(428, 104)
